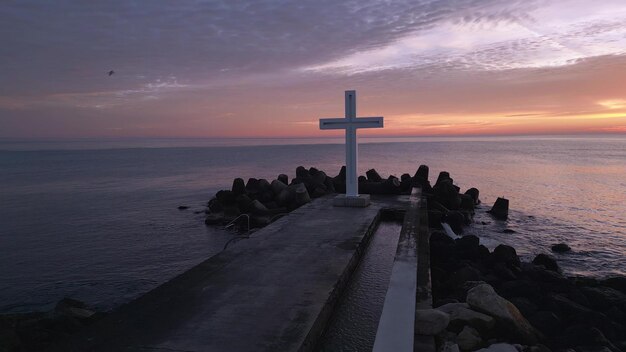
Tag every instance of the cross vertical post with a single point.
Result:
(351, 123)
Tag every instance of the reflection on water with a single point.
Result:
(102, 225)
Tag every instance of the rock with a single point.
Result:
(525, 306)
(277, 187)
(302, 196)
(239, 187)
(468, 339)
(604, 297)
(420, 179)
(263, 185)
(461, 315)
(287, 196)
(538, 348)
(226, 197)
(446, 194)
(503, 272)
(467, 242)
(467, 203)
(508, 231)
(582, 335)
(252, 186)
(231, 212)
(214, 205)
(302, 173)
(443, 175)
(484, 299)
(521, 288)
(459, 277)
(456, 220)
(506, 254)
(499, 347)
(616, 282)
(430, 321)
(500, 209)
(547, 261)
(257, 208)
(330, 185)
(547, 322)
(243, 202)
(283, 178)
(182, 207)
(362, 179)
(422, 172)
(473, 192)
(214, 219)
(572, 311)
(373, 176)
(561, 248)
(449, 346)
(406, 183)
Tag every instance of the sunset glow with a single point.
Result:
(272, 69)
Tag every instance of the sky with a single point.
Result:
(272, 68)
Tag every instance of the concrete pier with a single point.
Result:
(272, 292)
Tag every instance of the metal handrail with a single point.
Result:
(232, 223)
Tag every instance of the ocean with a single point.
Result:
(99, 221)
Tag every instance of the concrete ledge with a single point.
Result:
(360, 201)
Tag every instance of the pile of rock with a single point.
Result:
(262, 200)
(445, 201)
(493, 298)
(40, 331)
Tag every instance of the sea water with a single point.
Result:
(99, 220)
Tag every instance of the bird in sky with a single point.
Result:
(111, 72)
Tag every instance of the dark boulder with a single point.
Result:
(467, 203)
(183, 207)
(302, 173)
(214, 219)
(226, 197)
(362, 179)
(301, 196)
(473, 192)
(443, 175)
(446, 194)
(330, 185)
(546, 322)
(500, 209)
(561, 248)
(263, 185)
(239, 187)
(283, 178)
(405, 183)
(422, 172)
(214, 205)
(604, 297)
(373, 176)
(252, 186)
(277, 186)
(547, 261)
(506, 254)
(467, 242)
(616, 282)
(243, 202)
(456, 220)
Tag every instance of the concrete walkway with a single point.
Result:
(272, 292)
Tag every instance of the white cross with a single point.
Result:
(350, 123)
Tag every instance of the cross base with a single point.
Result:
(360, 201)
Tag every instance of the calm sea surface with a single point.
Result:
(98, 221)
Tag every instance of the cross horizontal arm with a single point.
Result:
(342, 123)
